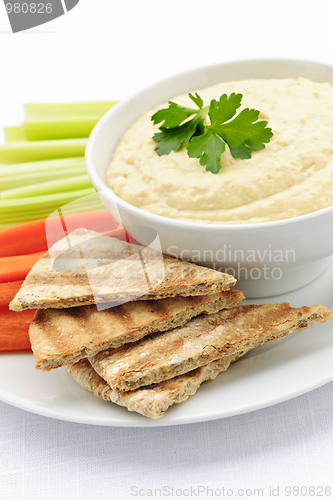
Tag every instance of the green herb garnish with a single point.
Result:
(205, 139)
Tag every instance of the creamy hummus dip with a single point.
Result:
(292, 176)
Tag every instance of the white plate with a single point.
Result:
(272, 373)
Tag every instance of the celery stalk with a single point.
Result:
(23, 174)
(15, 152)
(22, 205)
(59, 129)
(14, 134)
(62, 121)
(61, 185)
(41, 212)
(11, 221)
(56, 111)
(13, 181)
(43, 166)
(38, 214)
(42, 163)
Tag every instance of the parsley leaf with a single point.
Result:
(172, 116)
(197, 100)
(206, 139)
(224, 109)
(172, 138)
(209, 148)
(244, 133)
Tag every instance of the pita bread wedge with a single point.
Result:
(153, 400)
(200, 341)
(87, 268)
(60, 336)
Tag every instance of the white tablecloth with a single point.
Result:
(251, 455)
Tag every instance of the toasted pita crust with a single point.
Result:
(60, 336)
(200, 341)
(151, 401)
(87, 268)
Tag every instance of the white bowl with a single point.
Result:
(287, 254)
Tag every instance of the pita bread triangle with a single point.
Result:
(153, 400)
(61, 336)
(200, 341)
(87, 268)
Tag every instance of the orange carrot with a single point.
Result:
(13, 318)
(14, 338)
(23, 238)
(8, 291)
(14, 329)
(17, 267)
(31, 237)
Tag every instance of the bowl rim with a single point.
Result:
(106, 191)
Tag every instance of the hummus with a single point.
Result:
(292, 176)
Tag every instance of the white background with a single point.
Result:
(107, 49)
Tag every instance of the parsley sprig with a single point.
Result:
(206, 139)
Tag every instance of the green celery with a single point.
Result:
(59, 129)
(61, 185)
(42, 163)
(62, 121)
(56, 111)
(41, 212)
(14, 134)
(43, 166)
(38, 214)
(22, 205)
(16, 152)
(11, 221)
(13, 181)
(23, 174)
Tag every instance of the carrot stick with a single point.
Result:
(22, 239)
(17, 267)
(31, 237)
(8, 291)
(14, 329)
(13, 318)
(14, 338)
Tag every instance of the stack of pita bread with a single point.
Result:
(139, 328)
